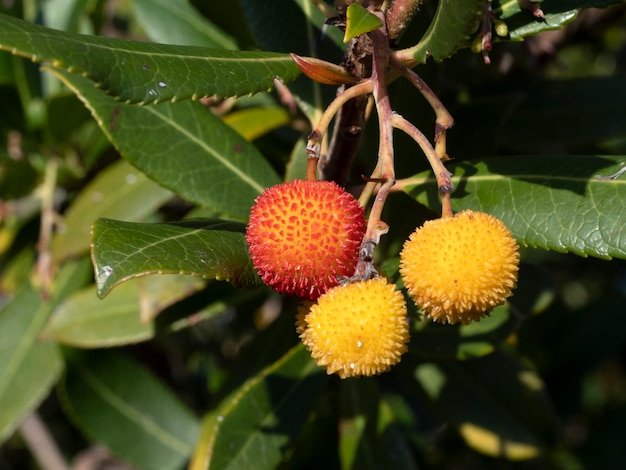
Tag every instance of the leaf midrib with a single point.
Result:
(133, 415)
(210, 150)
(521, 176)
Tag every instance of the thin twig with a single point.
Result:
(384, 172)
(444, 119)
(48, 216)
(316, 136)
(444, 183)
(399, 16)
(41, 444)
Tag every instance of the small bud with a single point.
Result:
(501, 28)
(322, 71)
(477, 44)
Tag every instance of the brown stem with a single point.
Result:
(48, 216)
(443, 120)
(315, 138)
(444, 183)
(399, 15)
(384, 173)
(41, 443)
(311, 169)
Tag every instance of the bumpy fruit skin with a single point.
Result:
(356, 329)
(303, 235)
(457, 269)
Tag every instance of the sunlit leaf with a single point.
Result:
(28, 367)
(253, 427)
(255, 122)
(451, 28)
(148, 72)
(552, 202)
(85, 321)
(208, 249)
(184, 147)
(178, 22)
(119, 192)
(359, 21)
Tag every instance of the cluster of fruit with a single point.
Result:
(305, 239)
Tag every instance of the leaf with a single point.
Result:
(253, 427)
(142, 72)
(177, 22)
(85, 321)
(551, 202)
(184, 147)
(28, 367)
(395, 448)
(157, 293)
(370, 436)
(461, 342)
(204, 248)
(557, 13)
(119, 404)
(252, 123)
(499, 406)
(120, 192)
(450, 29)
(299, 28)
(360, 21)
(359, 407)
(296, 166)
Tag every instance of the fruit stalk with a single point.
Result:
(443, 118)
(444, 183)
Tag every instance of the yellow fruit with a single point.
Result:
(356, 329)
(457, 269)
(304, 235)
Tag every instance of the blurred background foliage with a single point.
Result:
(186, 346)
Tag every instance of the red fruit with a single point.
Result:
(303, 235)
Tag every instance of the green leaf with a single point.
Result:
(253, 427)
(370, 437)
(144, 72)
(204, 248)
(359, 406)
(552, 202)
(298, 28)
(360, 21)
(28, 367)
(119, 404)
(296, 166)
(450, 29)
(499, 405)
(85, 321)
(435, 340)
(120, 192)
(183, 147)
(396, 452)
(255, 122)
(557, 13)
(177, 22)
